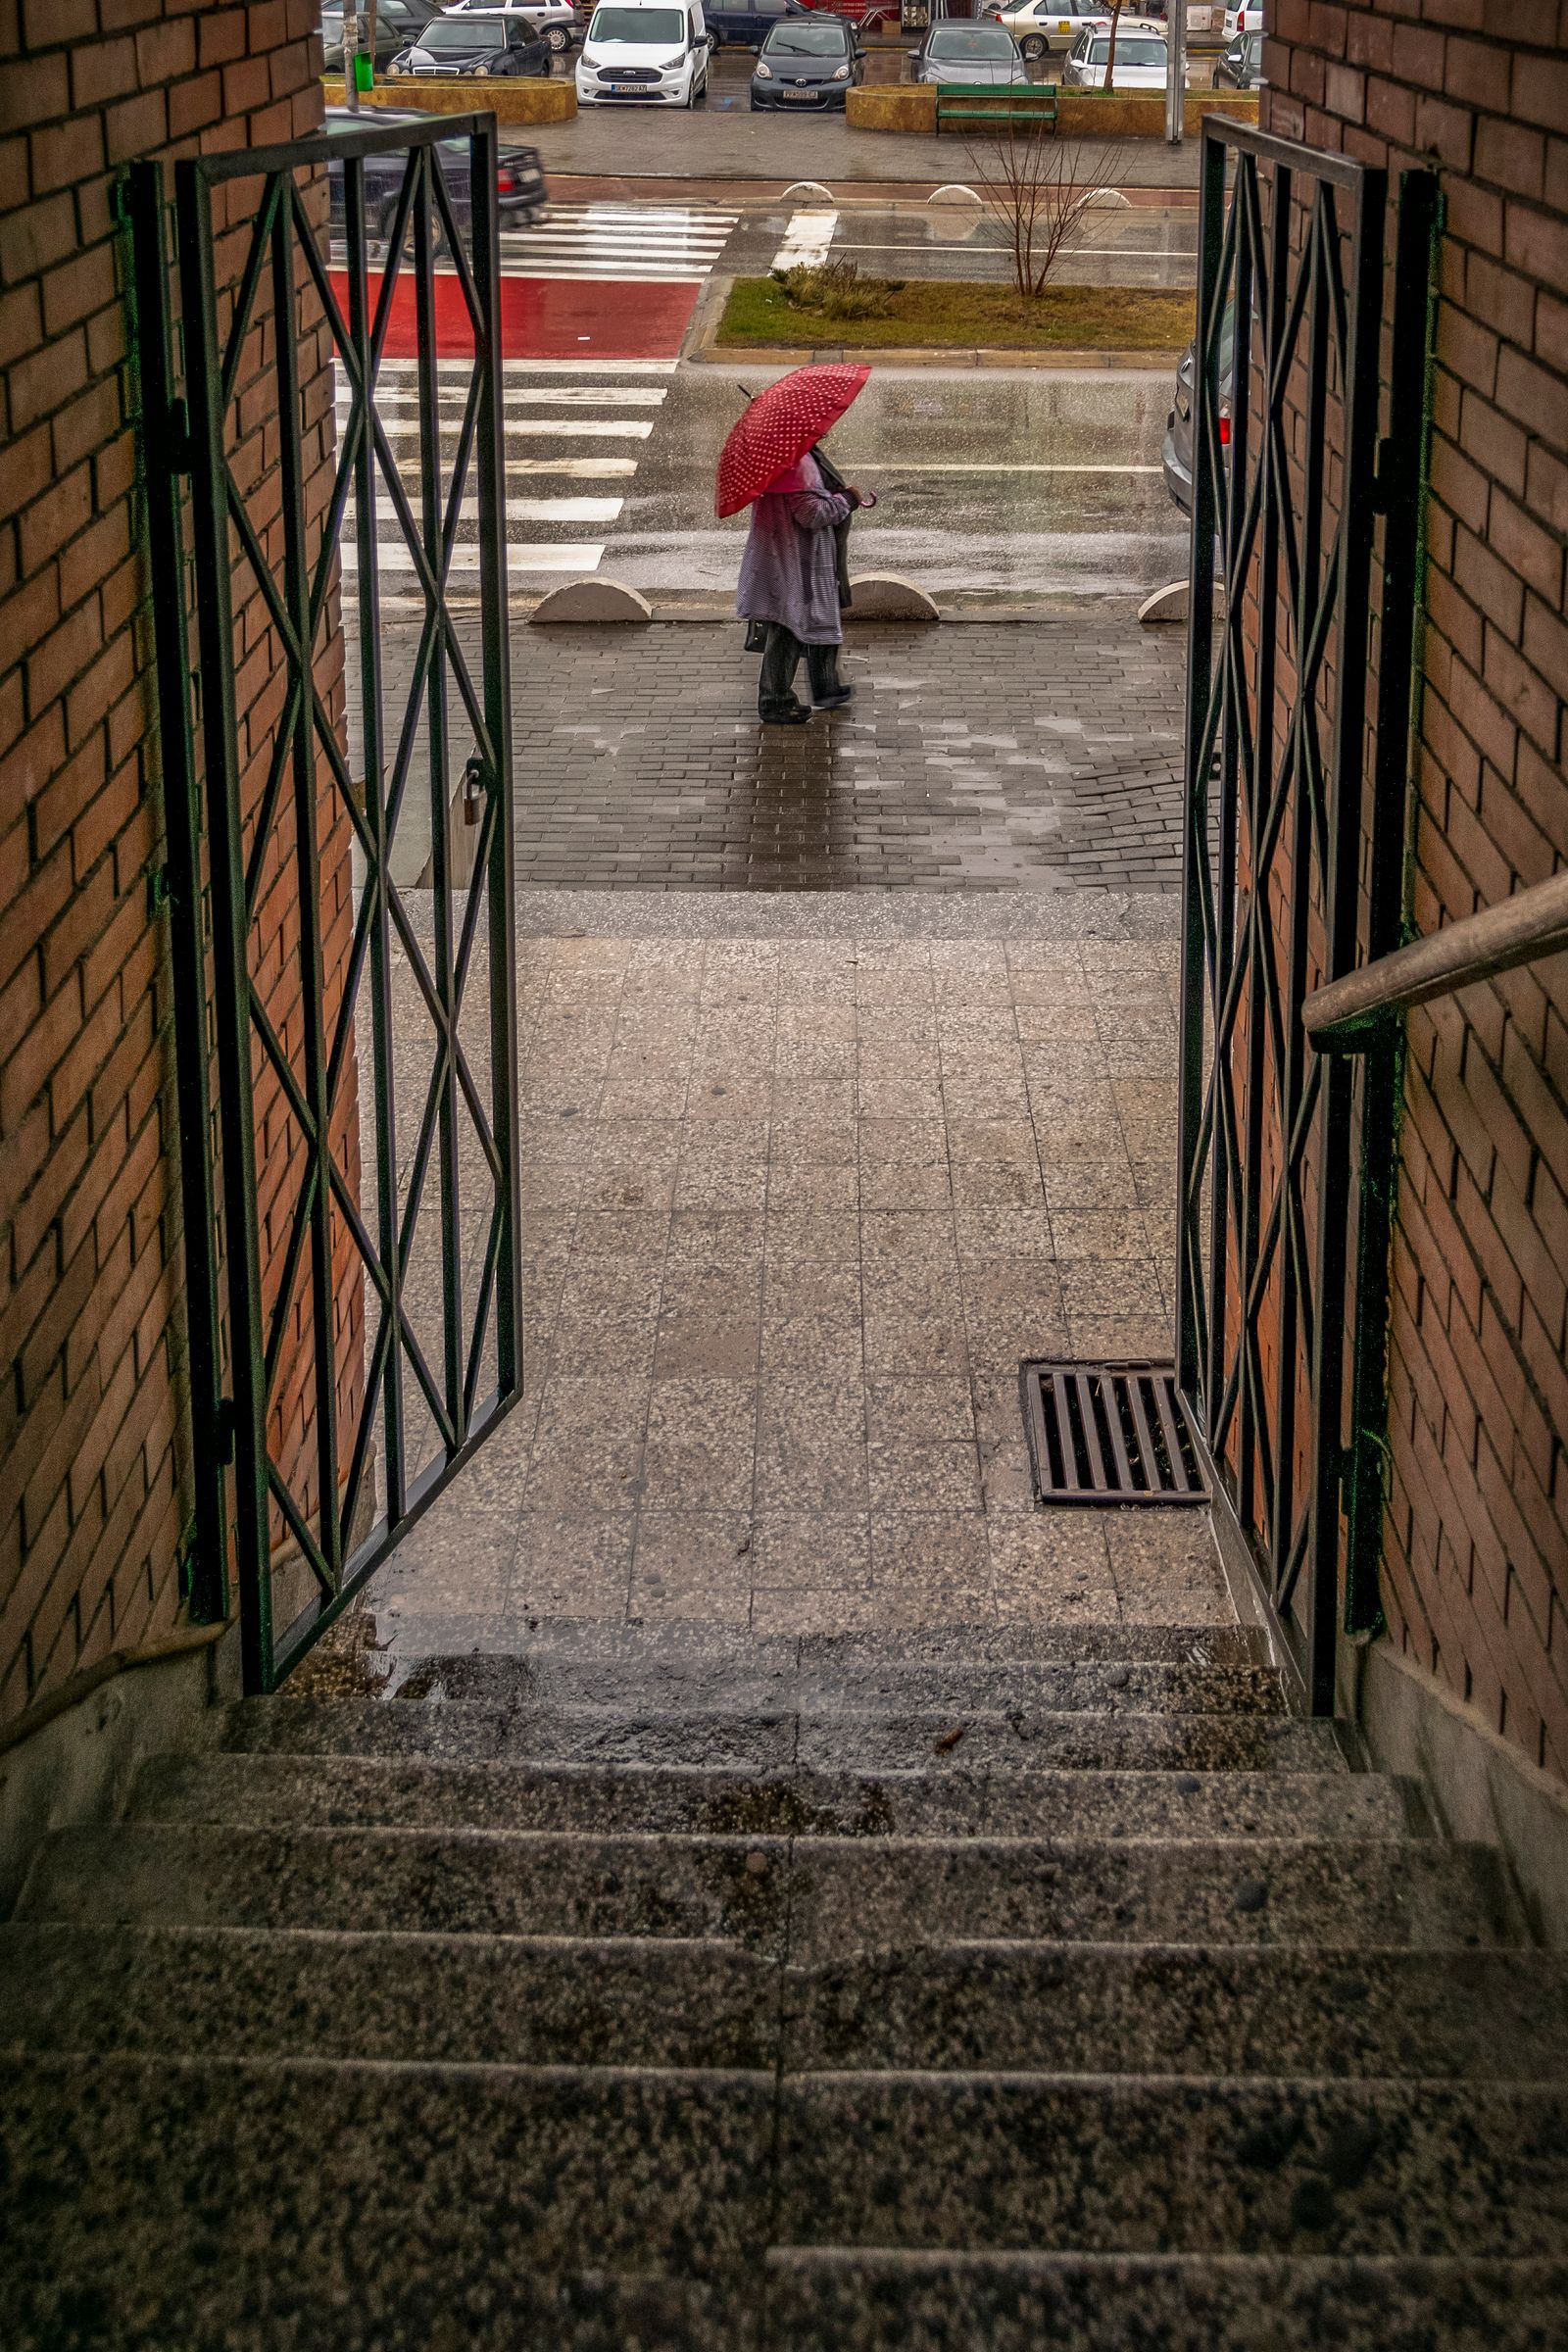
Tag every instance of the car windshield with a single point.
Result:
(645, 25)
(1129, 53)
(456, 36)
(805, 40)
(971, 40)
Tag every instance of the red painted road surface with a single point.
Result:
(547, 318)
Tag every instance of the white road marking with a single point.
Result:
(806, 240)
(522, 555)
(564, 510)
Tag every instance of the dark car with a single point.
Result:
(520, 191)
(1242, 65)
(397, 24)
(458, 48)
(747, 23)
(807, 65)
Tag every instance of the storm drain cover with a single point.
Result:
(1109, 1433)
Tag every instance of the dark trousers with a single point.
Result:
(781, 654)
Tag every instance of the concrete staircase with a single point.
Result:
(697, 1993)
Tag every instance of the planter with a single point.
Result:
(1080, 114)
(510, 97)
(908, 106)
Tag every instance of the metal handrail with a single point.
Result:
(1349, 1013)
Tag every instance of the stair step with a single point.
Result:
(761, 1741)
(286, 1790)
(771, 1682)
(1181, 2010)
(831, 2300)
(1024, 2007)
(311, 1992)
(350, 2205)
(1135, 2165)
(839, 1894)
(689, 1639)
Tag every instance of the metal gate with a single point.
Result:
(345, 1042)
(1307, 491)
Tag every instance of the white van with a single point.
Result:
(645, 52)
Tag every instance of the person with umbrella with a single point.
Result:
(794, 577)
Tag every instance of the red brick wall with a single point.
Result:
(92, 1497)
(1476, 1547)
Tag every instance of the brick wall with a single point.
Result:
(92, 1502)
(1476, 1541)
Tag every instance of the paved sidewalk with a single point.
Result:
(720, 144)
(976, 756)
(804, 1181)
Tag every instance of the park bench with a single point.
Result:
(995, 106)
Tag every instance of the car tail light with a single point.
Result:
(1224, 424)
(504, 182)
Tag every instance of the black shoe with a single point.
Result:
(796, 715)
(833, 701)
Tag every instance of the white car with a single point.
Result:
(1042, 26)
(1141, 63)
(644, 53)
(556, 20)
(1243, 20)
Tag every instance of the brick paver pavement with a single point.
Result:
(976, 755)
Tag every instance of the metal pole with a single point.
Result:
(1175, 69)
(351, 55)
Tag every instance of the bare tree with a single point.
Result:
(1110, 53)
(1039, 190)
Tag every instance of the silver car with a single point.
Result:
(974, 54)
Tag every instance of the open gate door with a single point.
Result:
(325, 492)
(1309, 479)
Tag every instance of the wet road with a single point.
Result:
(1030, 483)
(1122, 245)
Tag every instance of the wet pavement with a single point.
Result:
(976, 756)
(719, 141)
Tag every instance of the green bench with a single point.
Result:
(990, 105)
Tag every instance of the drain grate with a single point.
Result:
(1109, 1433)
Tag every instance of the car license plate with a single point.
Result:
(628, 90)
(802, 97)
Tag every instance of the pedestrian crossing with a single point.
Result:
(567, 425)
(652, 244)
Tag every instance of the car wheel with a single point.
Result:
(1032, 47)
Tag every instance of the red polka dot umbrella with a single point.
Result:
(779, 426)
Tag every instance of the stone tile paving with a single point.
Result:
(977, 756)
(796, 1207)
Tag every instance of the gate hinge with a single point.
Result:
(223, 1430)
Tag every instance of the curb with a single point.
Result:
(702, 347)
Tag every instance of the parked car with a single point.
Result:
(556, 20)
(397, 24)
(1176, 457)
(466, 48)
(520, 191)
(968, 53)
(1141, 62)
(1041, 26)
(1243, 20)
(806, 68)
(1242, 65)
(644, 53)
(747, 23)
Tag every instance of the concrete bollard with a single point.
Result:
(883, 596)
(592, 600)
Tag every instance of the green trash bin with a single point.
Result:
(363, 71)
